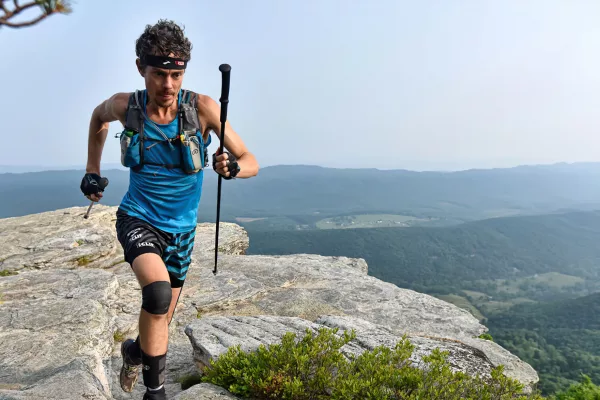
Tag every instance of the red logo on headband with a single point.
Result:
(179, 62)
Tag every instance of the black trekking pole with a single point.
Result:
(224, 99)
(102, 185)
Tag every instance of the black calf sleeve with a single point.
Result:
(153, 370)
(156, 297)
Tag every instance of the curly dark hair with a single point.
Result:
(163, 38)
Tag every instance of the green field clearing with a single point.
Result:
(463, 303)
(369, 221)
(244, 219)
(492, 307)
(476, 295)
(554, 280)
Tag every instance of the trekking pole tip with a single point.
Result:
(87, 214)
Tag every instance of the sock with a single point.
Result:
(153, 371)
(159, 394)
(156, 393)
(134, 352)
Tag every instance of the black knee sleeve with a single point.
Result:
(156, 297)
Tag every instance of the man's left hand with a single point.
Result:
(225, 164)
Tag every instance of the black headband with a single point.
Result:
(164, 62)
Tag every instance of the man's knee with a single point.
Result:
(156, 297)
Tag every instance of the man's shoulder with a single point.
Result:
(119, 101)
(113, 108)
(120, 97)
(203, 101)
(208, 109)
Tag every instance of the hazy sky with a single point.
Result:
(447, 84)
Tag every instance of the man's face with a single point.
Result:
(162, 84)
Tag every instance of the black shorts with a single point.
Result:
(138, 237)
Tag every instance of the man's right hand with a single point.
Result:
(92, 186)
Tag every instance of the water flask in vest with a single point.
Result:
(191, 152)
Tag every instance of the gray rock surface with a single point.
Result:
(71, 293)
(308, 286)
(212, 336)
(205, 391)
(56, 328)
(64, 239)
(73, 299)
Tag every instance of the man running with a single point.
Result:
(157, 217)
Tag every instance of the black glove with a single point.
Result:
(232, 167)
(92, 184)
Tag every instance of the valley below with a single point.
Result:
(517, 248)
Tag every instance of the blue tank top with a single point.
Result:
(166, 198)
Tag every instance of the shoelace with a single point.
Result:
(132, 370)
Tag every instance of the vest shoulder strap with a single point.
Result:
(190, 122)
(134, 118)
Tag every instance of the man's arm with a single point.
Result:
(109, 110)
(209, 110)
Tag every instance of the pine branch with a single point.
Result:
(49, 7)
(23, 24)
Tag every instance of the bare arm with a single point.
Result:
(110, 110)
(209, 110)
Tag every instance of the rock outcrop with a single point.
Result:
(63, 239)
(69, 301)
(205, 391)
(212, 336)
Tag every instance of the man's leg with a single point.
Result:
(144, 246)
(177, 258)
(133, 352)
(156, 300)
(135, 347)
(154, 280)
(156, 258)
(175, 293)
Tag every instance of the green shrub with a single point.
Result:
(315, 368)
(584, 390)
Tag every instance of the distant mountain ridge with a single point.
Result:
(312, 190)
(20, 169)
(4, 168)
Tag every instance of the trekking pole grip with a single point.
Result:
(225, 74)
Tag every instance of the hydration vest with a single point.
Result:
(194, 154)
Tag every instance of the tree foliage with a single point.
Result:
(585, 389)
(13, 9)
(561, 340)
